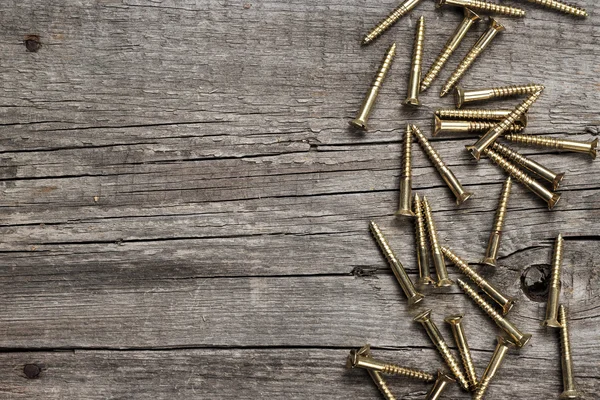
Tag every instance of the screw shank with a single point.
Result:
(566, 359)
(381, 385)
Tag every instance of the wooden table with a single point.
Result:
(184, 208)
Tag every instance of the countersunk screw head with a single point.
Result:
(556, 182)
(454, 319)
(364, 351)
(459, 96)
(359, 123)
(593, 147)
(571, 394)
(424, 316)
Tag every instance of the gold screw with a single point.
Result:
(570, 392)
(445, 172)
(456, 126)
(421, 242)
(442, 381)
(479, 114)
(555, 285)
(499, 129)
(562, 7)
(436, 337)
(520, 339)
(502, 348)
(436, 252)
(491, 253)
(551, 198)
(412, 98)
(529, 164)
(462, 96)
(390, 20)
(460, 339)
(451, 45)
(375, 375)
(484, 41)
(401, 276)
(560, 144)
(405, 198)
(365, 109)
(484, 6)
(358, 359)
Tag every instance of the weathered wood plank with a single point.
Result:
(256, 373)
(180, 174)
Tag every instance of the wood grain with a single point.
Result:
(184, 209)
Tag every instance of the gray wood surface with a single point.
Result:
(184, 209)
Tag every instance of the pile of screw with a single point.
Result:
(493, 124)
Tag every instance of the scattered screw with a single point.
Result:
(390, 20)
(412, 98)
(555, 285)
(462, 96)
(460, 339)
(491, 252)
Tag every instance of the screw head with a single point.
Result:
(454, 319)
(424, 316)
(593, 147)
(463, 197)
(509, 305)
(489, 261)
(497, 26)
(359, 123)
(471, 14)
(555, 198)
(444, 282)
(571, 394)
(412, 101)
(553, 323)
(556, 182)
(437, 125)
(459, 96)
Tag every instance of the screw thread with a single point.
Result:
(475, 114)
(502, 205)
(390, 20)
(483, 126)
(510, 168)
(406, 171)
(463, 266)
(432, 153)
(535, 141)
(408, 372)
(516, 114)
(562, 7)
(496, 8)
(452, 364)
(435, 69)
(557, 258)
(382, 385)
(430, 224)
(509, 153)
(516, 90)
(421, 230)
(565, 341)
(419, 42)
(383, 243)
(385, 66)
(480, 301)
(465, 64)
(481, 389)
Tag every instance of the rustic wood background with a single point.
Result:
(184, 209)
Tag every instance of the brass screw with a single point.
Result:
(551, 198)
(358, 359)
(499, 129)
(421, 242)
(529, 164)
(412, 98)
(405, 198)
(456, 126)
(445, 172)
(491, 252)
(401, 276)
(562, 7)
(442, 381)
(502, 348)
(390, 20)
(460, 339)
(503, 301)
(462, 96)
(520, 339)
(365, 109)
(436, 337)
(479, 114)
(436, 252)
(484, 6)
(375, 375)
(484, 41)
(555, 285)
(451, 45)
(570, 392)
(560, 144)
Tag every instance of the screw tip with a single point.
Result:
(445, 91)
